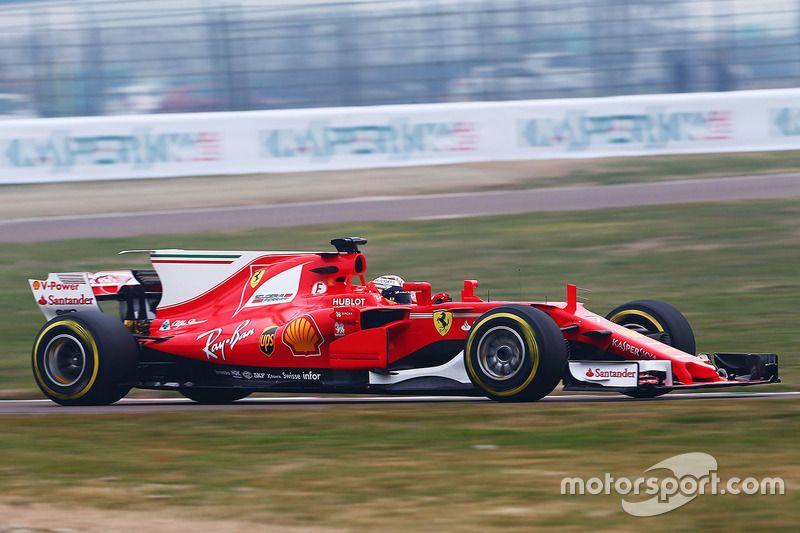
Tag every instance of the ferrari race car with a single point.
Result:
(217, 326)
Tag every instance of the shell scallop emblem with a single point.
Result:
(303, 337)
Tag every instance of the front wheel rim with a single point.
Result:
(64, 360)
(501, 353)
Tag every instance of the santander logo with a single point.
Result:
(600, 374)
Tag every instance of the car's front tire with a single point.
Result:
(515, 353)
(84, 359)
(660, 321)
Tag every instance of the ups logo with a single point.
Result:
(267, 340)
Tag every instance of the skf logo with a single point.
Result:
(303, 337)
(442, 320)
(267, 340)
(257, 275)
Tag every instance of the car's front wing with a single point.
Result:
(630, 376)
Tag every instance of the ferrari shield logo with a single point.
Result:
(442, 320)
(256, 278)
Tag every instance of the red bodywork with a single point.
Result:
(207, 321)
(321, 325)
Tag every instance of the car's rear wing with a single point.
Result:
(68, 292)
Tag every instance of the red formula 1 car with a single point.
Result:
(218, 326)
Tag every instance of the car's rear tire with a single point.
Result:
(658, 320)
(515, 353)
(84, 359)
(214, 396)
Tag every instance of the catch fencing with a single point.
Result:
(95, 57)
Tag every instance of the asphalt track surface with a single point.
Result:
(139, 405)
(401, 208)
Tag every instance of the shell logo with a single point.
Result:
(303, 337)
(36, 285)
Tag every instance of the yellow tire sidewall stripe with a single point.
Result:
(533, 351)
(85, 336)
(642, 314)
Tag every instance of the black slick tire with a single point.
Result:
(515, 353)
(84, 359)
(660, 321)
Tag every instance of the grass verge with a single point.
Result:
(406, 467)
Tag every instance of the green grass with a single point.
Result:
(623, 170)
(658, 168)
(730, 267)
(444, 467)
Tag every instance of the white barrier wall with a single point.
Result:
(154, 146)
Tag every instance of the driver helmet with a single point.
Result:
(391, 288)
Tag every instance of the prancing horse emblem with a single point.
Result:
(442, 320)
(257, 275)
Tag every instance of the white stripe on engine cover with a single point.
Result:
(430, 315)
